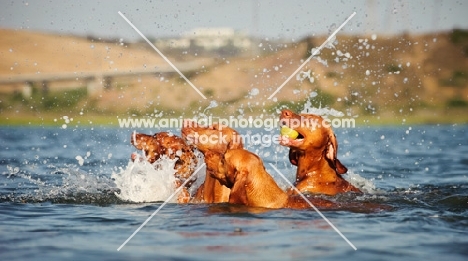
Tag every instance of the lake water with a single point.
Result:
(72, 194)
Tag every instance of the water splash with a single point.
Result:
(365, 185)
(67, 184)
(213, 104)
(138, 182)
(141, 181)
(308, 108)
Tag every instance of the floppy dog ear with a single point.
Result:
(235, 142)
(332, 150)
(340, 168)
(235, 145)
(332, 147)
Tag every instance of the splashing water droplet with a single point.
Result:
(254, 92)
(213, 104)
(80, 160)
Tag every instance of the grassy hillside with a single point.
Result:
(382, 79)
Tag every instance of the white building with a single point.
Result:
(208, 39)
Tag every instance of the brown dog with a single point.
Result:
(241, 171)
(314, 152)
(253, 186)
(218, 139)
(174, 147)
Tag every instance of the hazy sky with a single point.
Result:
(291, 19)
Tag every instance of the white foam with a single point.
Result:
(141, 181)
(308, 108)
(365, 185)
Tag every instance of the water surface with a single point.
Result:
(59, 200)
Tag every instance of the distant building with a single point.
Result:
(211, 40)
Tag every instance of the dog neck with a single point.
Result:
(314, 166)
(252, 185)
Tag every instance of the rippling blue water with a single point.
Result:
(54, 208)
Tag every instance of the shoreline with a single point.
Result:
(56, 120)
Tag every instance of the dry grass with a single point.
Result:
(388, 76)
(25, 52)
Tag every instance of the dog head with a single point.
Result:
(314, 135)
(148, 144)
(215, 138)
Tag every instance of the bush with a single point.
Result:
(459, 36)
(392, 68)
(458, 79)
(323, 99)
(295, 106)
(63, 99)
(457, 103)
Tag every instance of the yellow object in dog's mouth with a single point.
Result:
(286, 131)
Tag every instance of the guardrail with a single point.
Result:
(95, 81)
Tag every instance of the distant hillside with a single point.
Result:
(24, 52)
(385, 77)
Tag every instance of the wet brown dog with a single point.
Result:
(241, 171)
(314, 152)
(174, 147)
(211, 191)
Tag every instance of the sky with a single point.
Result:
(291, 19)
